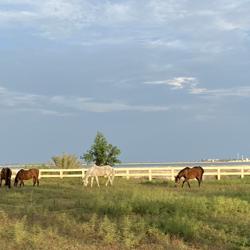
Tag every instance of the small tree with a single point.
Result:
(66, 161)
(101, 152)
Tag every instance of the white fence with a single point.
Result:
(146, 172)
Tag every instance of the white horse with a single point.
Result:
(96, 171)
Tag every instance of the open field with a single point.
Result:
(133, 214)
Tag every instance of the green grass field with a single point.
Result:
(133, 214)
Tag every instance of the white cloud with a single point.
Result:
(90, 105)
(242, 91)
(119, 12)
(53, 18)
(226, 25)
(154, 23)
(171, 44)
(16, 16)
(165, 11)
(191, 85)
(197, 91)
(65, 105)
(177, 82)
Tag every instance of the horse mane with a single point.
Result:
(16, 179)
(9, 172)
(184, 169)
(18, 174)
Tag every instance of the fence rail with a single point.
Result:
(146, 172)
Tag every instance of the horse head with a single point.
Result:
(177, 180)
(85, 181)
(16, 181)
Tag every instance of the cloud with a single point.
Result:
(90, 105)
(177, 82)
(55, 18)
(241, 91)
(191, 85)
(156, 24)
(66, 105)
(170, 44)
(16, 16)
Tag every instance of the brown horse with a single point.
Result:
(22, 174)
(190, 173)
(6, 175)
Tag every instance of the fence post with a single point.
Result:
(172, 174)
(127, 174)
(39, 175)
(150, 174)
(61, 174)
(242, 172)
(218, 174)
(83, 173)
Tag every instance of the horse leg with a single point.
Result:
(112, 179)
(0, 182)
(183, 183)
(188, 184)
(108, 181)
(97, 181)
(199, 181)
(37, 182)
(34, 181)
(92, 180)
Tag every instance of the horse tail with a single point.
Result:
(202, 172)
(16, 179)
(8, 173)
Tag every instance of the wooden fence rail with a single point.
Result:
(146, 172)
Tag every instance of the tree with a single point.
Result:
(66, 161)
(101, 152)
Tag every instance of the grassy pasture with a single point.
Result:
(133, 214)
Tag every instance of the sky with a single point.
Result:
(163, 80)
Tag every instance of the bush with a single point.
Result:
(66, 161)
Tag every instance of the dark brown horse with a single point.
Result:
(22, 175)
(190, 173)
(6, 175)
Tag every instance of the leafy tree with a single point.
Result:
(101, 152)
(66, 161)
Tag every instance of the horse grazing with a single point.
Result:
(6, 175)
(97, 171)
(22, 175)
(190, 173)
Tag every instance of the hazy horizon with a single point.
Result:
(163, 80)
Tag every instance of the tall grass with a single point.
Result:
(134, 214)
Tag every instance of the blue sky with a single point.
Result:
(164, 80)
